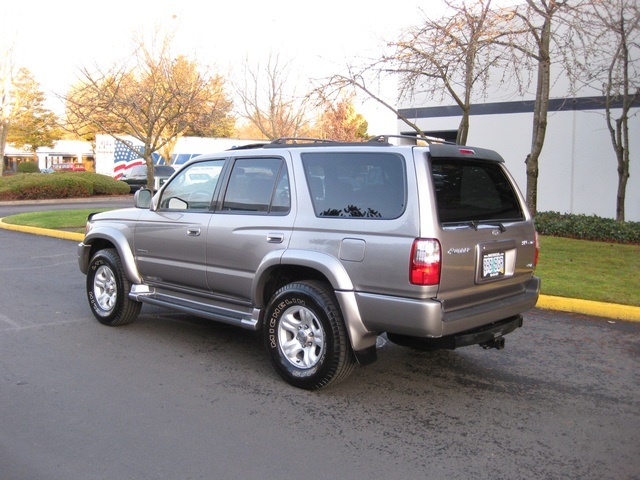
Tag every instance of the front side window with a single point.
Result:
(472, 191)
(193, 187)
(356, 185)
(257, 185)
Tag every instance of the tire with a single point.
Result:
(108, 289)
(305, 336)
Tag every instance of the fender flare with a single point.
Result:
(326, 264)
(336, 274)
(120, 242)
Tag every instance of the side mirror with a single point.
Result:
(142, 198)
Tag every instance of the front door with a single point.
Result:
(170, 242)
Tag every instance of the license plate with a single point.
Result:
(493, 265)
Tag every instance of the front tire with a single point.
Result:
(108, 290)
(305, 336)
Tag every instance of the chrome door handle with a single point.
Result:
(193, 231)
(275, 237)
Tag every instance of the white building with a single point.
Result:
(577, 167)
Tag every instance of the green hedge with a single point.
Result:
(40, 186)
(584, 227)
(28, 167)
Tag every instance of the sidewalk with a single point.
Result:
(587, 307)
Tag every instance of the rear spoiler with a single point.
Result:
(461, 151)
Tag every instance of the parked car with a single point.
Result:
(322, 247)
(136, 177)
(69, 167)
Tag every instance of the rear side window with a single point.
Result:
(356, 185)
(258, 185)
(473, 191)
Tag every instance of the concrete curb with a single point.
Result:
(42, 231)
(573, 305)
(589, 307)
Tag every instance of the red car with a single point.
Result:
(69, 167)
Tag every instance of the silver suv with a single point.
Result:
(324, 246)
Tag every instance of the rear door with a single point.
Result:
(486, 233)
(254, 218)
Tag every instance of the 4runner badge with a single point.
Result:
(455, 251)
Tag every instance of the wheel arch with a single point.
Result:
(281, 268)
(99, 239)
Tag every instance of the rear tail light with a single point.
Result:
(426, 259)
(537, 253)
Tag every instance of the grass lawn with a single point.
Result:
(603, 272)
(73, 220)
(597, 271)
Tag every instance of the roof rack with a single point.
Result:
(248, 146)
(376, 140)
(296, 140)
(409, 140)
(292, 141)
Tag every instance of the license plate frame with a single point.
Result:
(493, 265)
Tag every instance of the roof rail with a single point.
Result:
(248, 146)
(376, 140)
(284, 141)
(409, 140)
(296, 140)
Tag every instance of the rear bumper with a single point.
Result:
(488, 336)
(484, 335)
(428, 318)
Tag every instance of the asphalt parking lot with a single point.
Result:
(172, 396)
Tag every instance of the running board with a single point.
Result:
(247, 319)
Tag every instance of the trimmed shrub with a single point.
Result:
(28, 167)
(40, 186)
(584, 227)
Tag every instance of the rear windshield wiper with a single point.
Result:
(476, 223)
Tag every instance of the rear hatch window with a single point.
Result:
(472, 191)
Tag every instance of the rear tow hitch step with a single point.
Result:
(497, 343)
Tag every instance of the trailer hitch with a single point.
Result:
(497, 343)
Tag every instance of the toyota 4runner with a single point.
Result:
(324, 246)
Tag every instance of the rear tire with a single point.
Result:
(305, 336)
(108, 290)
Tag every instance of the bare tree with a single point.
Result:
(534, 42)
(359, 80)
(269, 99)
(449, 57)
(442, 57)
(611, 36)
(6, 100)
(152, 96)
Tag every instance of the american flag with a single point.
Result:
(124, 157)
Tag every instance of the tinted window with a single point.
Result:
(258, 185)
(163, 170)
(356, 185)
(473, 191)
(193, 187)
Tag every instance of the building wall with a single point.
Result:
(578, 167)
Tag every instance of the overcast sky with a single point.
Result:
(53, 39)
